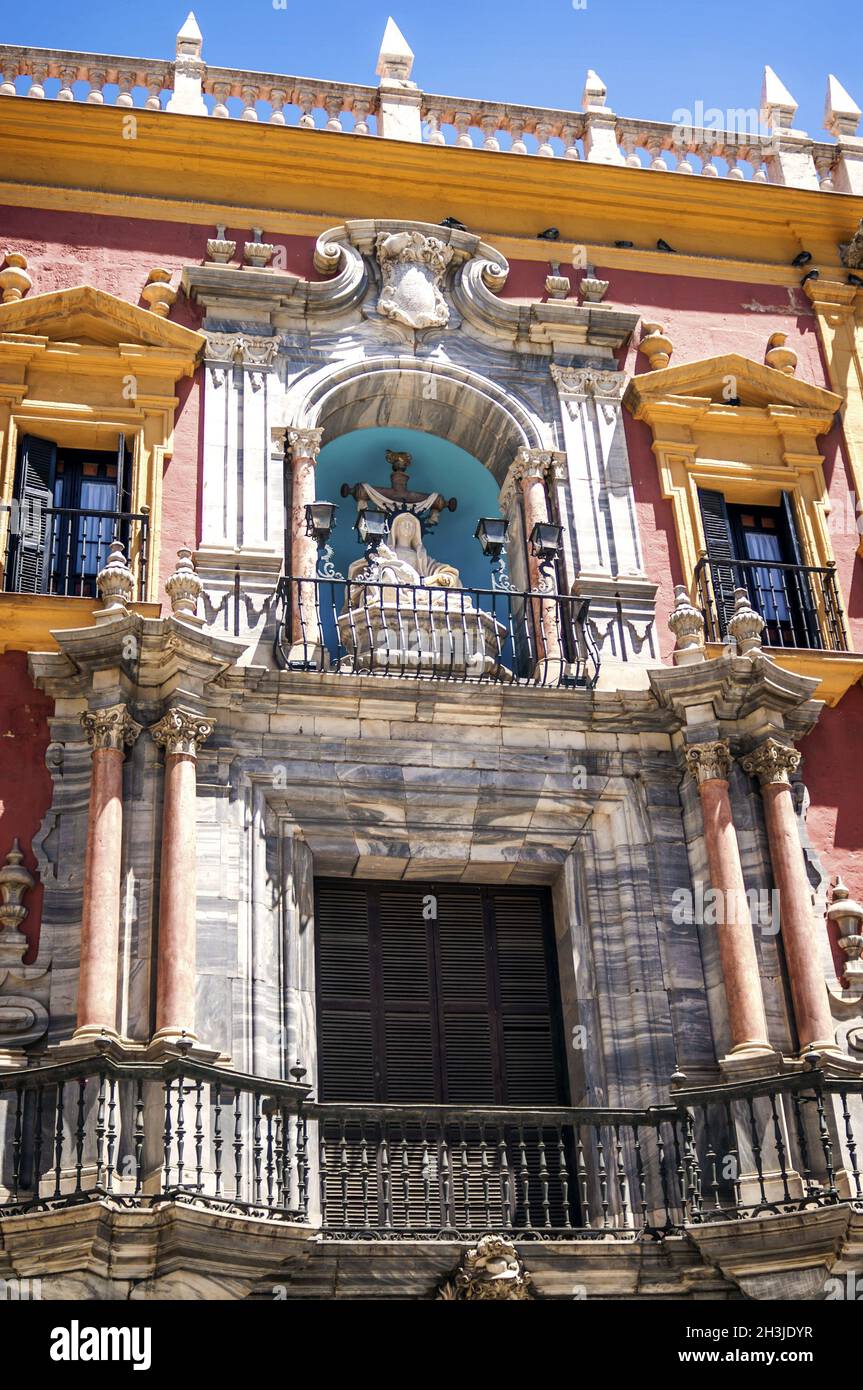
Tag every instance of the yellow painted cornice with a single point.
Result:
(28, 621)
(692, 387)
(94, 327)
(186, 168)
(836, 671)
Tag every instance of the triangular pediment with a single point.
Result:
(89, 317)
(726, 379)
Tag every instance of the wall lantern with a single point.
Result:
(372, 526)
(491, 532)
(546, 540)
(320, 520)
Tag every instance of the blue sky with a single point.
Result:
(655, 58)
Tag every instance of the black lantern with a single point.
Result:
(371, 526)
(546, 540)
(491, 532)
(320, 520)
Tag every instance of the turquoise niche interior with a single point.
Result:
(436, 466)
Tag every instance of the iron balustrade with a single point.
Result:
(60, 550)
(800, 604)
(496, 636)
(141, 1134)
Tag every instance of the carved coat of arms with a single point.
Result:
(413, 266)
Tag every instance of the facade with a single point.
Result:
(430, 681)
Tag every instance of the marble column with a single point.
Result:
(109, 731)
(180, 733)
(305, 634)
(772, 762)
(530, 470)
(709, 764)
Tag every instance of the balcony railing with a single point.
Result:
(491, 636)
(799, 603)
(141, 1134)
(60, 550)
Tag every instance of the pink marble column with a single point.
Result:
(709, 764)
(108, 732)
(180, 733)
(530, 469)
(305, 634)
(771, 763)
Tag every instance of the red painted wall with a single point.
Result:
(25, 783)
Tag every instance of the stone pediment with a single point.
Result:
(87, 317)
(728, 380)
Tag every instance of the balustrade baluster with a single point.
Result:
(524, 1176)
(621, 1177)
(238, 1144)
(217, 1139)
(756, 1149)
(639, 1176)
(364, 1173)
(733, 1154)
(79, 1134)
(826, 1143)
(100, 1130)
(485, 1174)
(257, 1145)
(323, 1176)
(505, 1180)
(780, 1147)
(563, 1178)
(544, 1197)
(270, 1167)
(38, 1144)
(180, 1128)
(851, 1141)
(386, 1193)
(712, 1159)
(602, 1174)
(465, 1173)
(425, 1170)
(343, 1169)
(406, 1181)
(166, 1138)
(138, 1136)
(581, 1170)
(111, 1134)
(199, 1136)
(58, 1140)
(808, 1179)
(446, 1212)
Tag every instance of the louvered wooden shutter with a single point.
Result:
(527, 1007)
(35, 494)
(720, 549)
(348, 1069)
(801, 599)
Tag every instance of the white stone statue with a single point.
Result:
(403, 559)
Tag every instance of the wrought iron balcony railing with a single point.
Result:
(142, 1134)
(800, 604)
(492, 636)
(60, 550)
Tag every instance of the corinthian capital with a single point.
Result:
(772, 762)
(180, 731)
(110, 728)
(709, 762)
(305, 443)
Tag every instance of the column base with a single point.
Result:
(173, 1042)
(750, 1059)
(91, 1042)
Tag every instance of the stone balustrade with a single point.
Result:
(758, 145)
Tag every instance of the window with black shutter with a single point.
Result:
(437, 993)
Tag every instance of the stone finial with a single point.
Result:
(557, 286)
(592, 291)
(219, 249)
(14, 280)
(15, 881)
(687, 623)
(745, 625)
(158, 293)
(708, 762)
(112, 728)
(396, 57)
(848, 916)
(184, 588)
(115, 583)
(181, 732)
(772, 762)
(258, 253)
(595, 91)
(782, 358)
(841, 112)
(655, 345)
(778, 107)
(190, 40)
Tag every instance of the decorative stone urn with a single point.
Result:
(848, 916)
(258, 253)
(158, 293)
(687, 624)
(745, 625)
(219, 249)
(184, 588)
(115, 583)
(783, 359)
(656, 346)
(14, 280)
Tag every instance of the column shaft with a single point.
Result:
(100, 917)
(305, 630)
(175, 988)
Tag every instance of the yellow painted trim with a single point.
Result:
(839, 314)
(750, 453)
(80, 367)
(77, 156)
(28, 621)
(837, 671)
